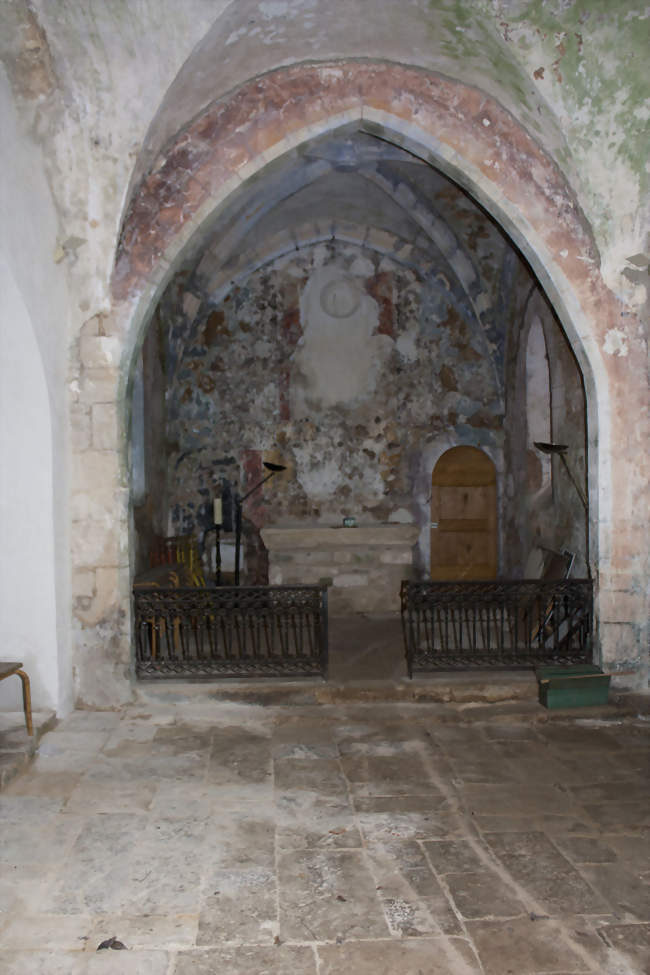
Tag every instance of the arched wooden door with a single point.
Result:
(464, 516)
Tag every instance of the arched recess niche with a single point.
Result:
(176, 206)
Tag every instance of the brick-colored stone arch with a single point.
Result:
(236, 136)
(460, 130)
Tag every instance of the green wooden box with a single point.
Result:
(572, 687)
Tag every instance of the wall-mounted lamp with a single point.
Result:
(559, 450)
(272, 469)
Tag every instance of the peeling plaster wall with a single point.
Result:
(110, 64)
(358, 405)
(589, 64)
(572, 73)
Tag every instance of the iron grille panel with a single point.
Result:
(235, 631)
(502, 624)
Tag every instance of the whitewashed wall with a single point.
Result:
(33, 483)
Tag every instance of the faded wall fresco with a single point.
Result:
(358, 373)
(353, 371)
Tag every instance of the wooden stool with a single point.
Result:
(6, 670)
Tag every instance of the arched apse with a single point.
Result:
(460, 131)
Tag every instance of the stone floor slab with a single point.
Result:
(489, 799)
(240, 906)
(632, 940)
(585, 849)
(635, 790)
(61, 932)
(413, 900)
(502, 822)
(93, 796)
(237, 843)
(239, 758)
(307, 820)
(453, 856)
(52, 785)
(323, 775)
(327, 895)
(534, 863)
(388, 775)
(620, 816)
(433, 956)
(483, 894)
(146, 932)
(109, 962)
(511, 732)
(243, 960)
(625, 890)
(405, 817)
(43, 838)
(85, 721)
(573, 737)
(24, 888)
(525, 947)
(43, 962)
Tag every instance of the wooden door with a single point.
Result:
(464, 516)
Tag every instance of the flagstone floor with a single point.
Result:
(369, 839)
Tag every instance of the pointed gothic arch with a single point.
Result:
(459, 130)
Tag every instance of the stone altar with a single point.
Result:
(362, 566)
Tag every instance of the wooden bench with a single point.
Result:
(6, 670)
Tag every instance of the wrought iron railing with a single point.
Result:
(476, 625)
(244, 631)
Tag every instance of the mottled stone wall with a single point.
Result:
(359, 406)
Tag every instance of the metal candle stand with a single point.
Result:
(239, 502)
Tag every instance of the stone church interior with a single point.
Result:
(325, 453)
(374, 316)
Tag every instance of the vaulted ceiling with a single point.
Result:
(356, 189)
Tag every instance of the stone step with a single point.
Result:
(509, 696)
